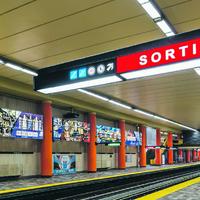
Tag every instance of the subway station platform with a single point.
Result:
(187, 190)
(40, 183)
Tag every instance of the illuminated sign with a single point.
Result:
(168, 54)
(76, 77)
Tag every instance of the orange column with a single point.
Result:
(194, 155)
(180, 154)
(188, 156)
(143, 162)
(122, 147)
(170, 150)
(92, 167)
(198, 152)
(157, 149)
(46, 148)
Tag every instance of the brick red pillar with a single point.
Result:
(157, 149)
(143, 147)
(91, 154)
(170, 150)
(180, 154)
(194, 155)
(46, 148)
(122, 147)
(198, 152)
(188, 156)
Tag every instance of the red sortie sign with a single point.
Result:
(159, 56)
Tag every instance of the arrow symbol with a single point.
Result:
(110, 67)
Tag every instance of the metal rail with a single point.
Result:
(123, 188)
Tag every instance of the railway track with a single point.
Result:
(123, 188)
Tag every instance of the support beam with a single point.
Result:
(143, 161)
(92, 145)
(122, 147)
(46, 148)
(170, 150)
(157, 149)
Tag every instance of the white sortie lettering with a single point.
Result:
(194, 49)
(143, 60)
(183, 48)
(170, 54)
(156, 57)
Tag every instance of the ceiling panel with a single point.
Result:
(169, 3)
(41, 12)
(97, 48)
(176, 99)
(112, 32)
(180, 17)
(10, 5)
(76, 24)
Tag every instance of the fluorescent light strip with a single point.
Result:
(19, 68)
(136, 110)
(151, 10)
(162, 69)
(93, 94)
(197, 70)
(143, 112)
(83, 84)
(163, 119)
(156, 15)
(165, 28)
(119, 104)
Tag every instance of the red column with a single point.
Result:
(92, 144)
(122, 148)
(188, 156)
(157, 149)
(180, 154)
(194, 155)
(143, 147)
(198, 154)
(170, 151)
(46, 148)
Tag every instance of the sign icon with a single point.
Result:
(110, 67)
(73, 75)
(101, 69)
(91, 71)
(82, 73)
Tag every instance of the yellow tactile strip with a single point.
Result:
(87, 180)
(169, 190)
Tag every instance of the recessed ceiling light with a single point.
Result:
(150, 9)
(164, 26)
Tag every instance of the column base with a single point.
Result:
(91, 171)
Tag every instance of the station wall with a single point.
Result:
(22, 156)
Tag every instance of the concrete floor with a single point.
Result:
(189, 193)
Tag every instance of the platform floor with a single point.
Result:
(189, 193)
(30, 183)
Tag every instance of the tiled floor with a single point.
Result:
(190, 193)
(22, 183)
